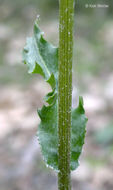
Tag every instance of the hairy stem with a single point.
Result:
(65, 91)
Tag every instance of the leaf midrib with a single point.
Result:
(49, 74)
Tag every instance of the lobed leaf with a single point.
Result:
(42, 58)
(79, 121)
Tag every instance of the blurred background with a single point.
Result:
(21, 164)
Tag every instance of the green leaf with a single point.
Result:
(42, 58)
(48, 138)
(79, 121)
(47, 134)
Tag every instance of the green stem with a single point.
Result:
(65, 92)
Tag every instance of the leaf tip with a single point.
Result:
(37, 30)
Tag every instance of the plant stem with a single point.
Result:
(65, 92)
